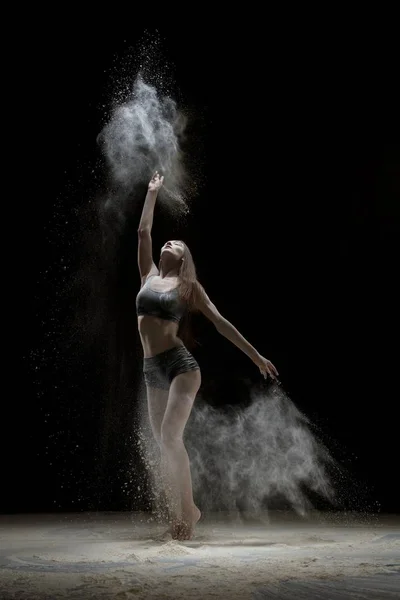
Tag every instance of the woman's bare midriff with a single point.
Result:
(157, 335)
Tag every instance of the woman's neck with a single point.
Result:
(169, 274)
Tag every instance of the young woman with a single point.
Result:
(171, 374)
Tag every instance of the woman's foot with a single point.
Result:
(184, 529)
(171, 532)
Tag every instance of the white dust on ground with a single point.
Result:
(221, 562)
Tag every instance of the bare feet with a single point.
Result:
(181, 529)
(184, 529)
(171, 532)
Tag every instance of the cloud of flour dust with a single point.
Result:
(144, 134)
(249, 458)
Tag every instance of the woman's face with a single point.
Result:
(174, 248)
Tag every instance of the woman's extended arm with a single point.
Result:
(145, 251)
(225, 328)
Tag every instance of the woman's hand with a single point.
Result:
(266, 367)
(156, 182)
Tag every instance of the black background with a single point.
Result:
(294, 234)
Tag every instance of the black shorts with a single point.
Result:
(160, 370)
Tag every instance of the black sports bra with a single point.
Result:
(164, 305)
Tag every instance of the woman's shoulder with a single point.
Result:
(147, 278)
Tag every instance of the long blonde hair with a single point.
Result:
(190, 290)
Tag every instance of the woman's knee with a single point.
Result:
(173, 425)
(171, 436)
(157, 400)
(157, 436)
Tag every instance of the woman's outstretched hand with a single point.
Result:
(156, 182)
(266, 367)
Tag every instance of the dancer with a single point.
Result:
(171, 374)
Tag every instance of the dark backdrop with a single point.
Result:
(294, 234)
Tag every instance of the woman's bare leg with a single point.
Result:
(182, 393)
(157, 400)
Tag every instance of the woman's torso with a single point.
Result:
(159, 312)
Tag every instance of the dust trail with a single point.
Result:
(90, 340)
(257, 455)
(145, 130)
(249, 459)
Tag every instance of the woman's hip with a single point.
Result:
(159, 370)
